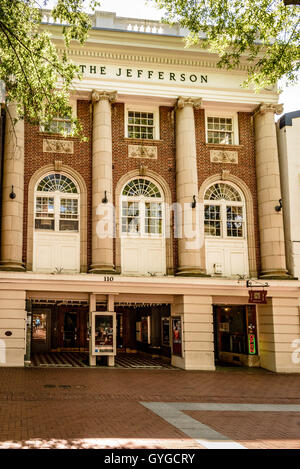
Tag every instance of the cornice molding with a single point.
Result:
(147, 59)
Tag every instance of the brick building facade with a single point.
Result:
(143, 237)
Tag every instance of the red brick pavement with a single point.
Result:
(101, 407)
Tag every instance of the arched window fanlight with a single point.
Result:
(140, 186)
(57, 182)
(222, 191)
(57, 204)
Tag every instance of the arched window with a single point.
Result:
(56, 204)
(142, 208)
(224, 212)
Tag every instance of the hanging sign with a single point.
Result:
(257, 296)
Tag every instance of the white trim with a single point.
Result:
(143, 108)
(228, 115)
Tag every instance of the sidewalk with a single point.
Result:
(117, 408)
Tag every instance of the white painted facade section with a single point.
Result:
(289, 160)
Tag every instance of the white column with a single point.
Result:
(272, 249)
(102, 186)
(197, 335)
(188, 224)
(12, 193)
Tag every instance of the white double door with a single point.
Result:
(226, 257)
(56, 252)
(143, 256)
(143, 250)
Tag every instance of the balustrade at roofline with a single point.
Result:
(109, 20)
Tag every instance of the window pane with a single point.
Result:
(212, 218)
(153, 218)
(130, 217)
(140, 125)
(69, 208)
(68, 225)
(234, 221)
(44, 207)
(219, 130)
(43, 224)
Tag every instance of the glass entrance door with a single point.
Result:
(70, 328)
(70, 333)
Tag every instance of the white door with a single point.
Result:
(226, 246)
(142, 229)
(56, 238)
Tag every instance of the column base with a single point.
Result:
(102, 269)
(191, 272)
(12, 266)
(276, 275)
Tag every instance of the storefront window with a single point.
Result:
(235, 328)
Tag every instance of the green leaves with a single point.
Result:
(35, 76)
(262, 35)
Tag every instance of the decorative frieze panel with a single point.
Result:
(223, 156)
(58, 146)
(142, 151)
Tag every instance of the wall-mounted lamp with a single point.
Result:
(105, 199)
(12, 195)
(279, 207)
(194, 203)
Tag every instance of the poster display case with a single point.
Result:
(177, 336)
(104, 333)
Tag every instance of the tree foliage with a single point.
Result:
(265, 33)
(34, 74)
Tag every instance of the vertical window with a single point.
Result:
(142, 124)
(141, 215)
(153, 218)
(223, 212)
(212, 220)
(130, 217)
(44, 209)
(221, 130)
(60, 210)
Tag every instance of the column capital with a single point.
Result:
(182, 101)
(97, 95)
(263, 108)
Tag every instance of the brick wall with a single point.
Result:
(245, 169)
(165, 165)
(80, 160)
